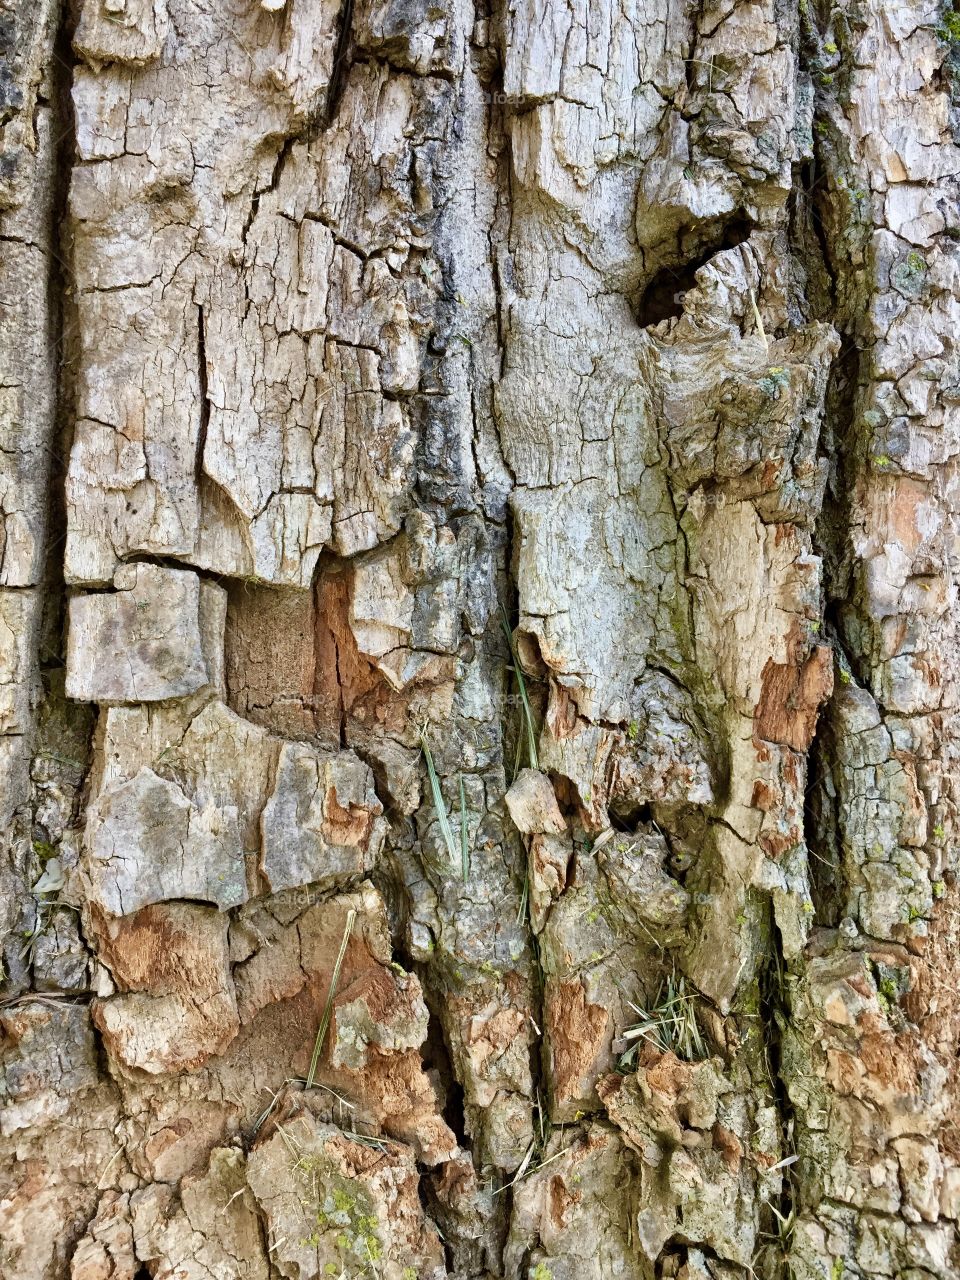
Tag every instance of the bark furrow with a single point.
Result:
(478, 644)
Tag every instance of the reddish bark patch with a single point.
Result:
(791, 766)
(378, 991)
(155, 950)
(665, 1072)
(176, 950)
(344, 682)
(576, 1032)
(560, 1201)
(790, 699)
(784, 533)
(901, 504)
(933, 1005)
(561, 718)
(399, 1096)
(350, 826)
(729, 1146)
(776, 843)
(609, 1087)
(764, 797)
(347, 687)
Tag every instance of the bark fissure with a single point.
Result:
(342, 54)
(477, 743)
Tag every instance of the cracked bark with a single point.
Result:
(335, 339)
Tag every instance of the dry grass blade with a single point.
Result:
(525, 1168)
(290, 1142)
(264, 1115)
(759, 321)
(53, 999)
(524, 697)
(541, 1120)
(464, 835)
(438, 802)
(521, 1170)
(670, 1025)
(328, 1007)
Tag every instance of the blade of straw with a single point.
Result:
(464, 838)
(328, 1007)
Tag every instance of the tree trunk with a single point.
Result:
(479, 639)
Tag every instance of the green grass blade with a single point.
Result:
(523, 899)
(528, 717)
(516, 758)
(438, 802)
(328, 1007)
(524, 697)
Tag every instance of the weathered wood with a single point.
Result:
(478, 615)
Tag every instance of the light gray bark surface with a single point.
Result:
(478, 640)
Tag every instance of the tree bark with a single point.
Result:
(479, 639)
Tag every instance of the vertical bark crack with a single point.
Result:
(341, 61)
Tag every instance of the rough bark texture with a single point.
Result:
(479, 639)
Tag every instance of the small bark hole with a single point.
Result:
(630, 818)
(436, 1059)
(662, 297)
